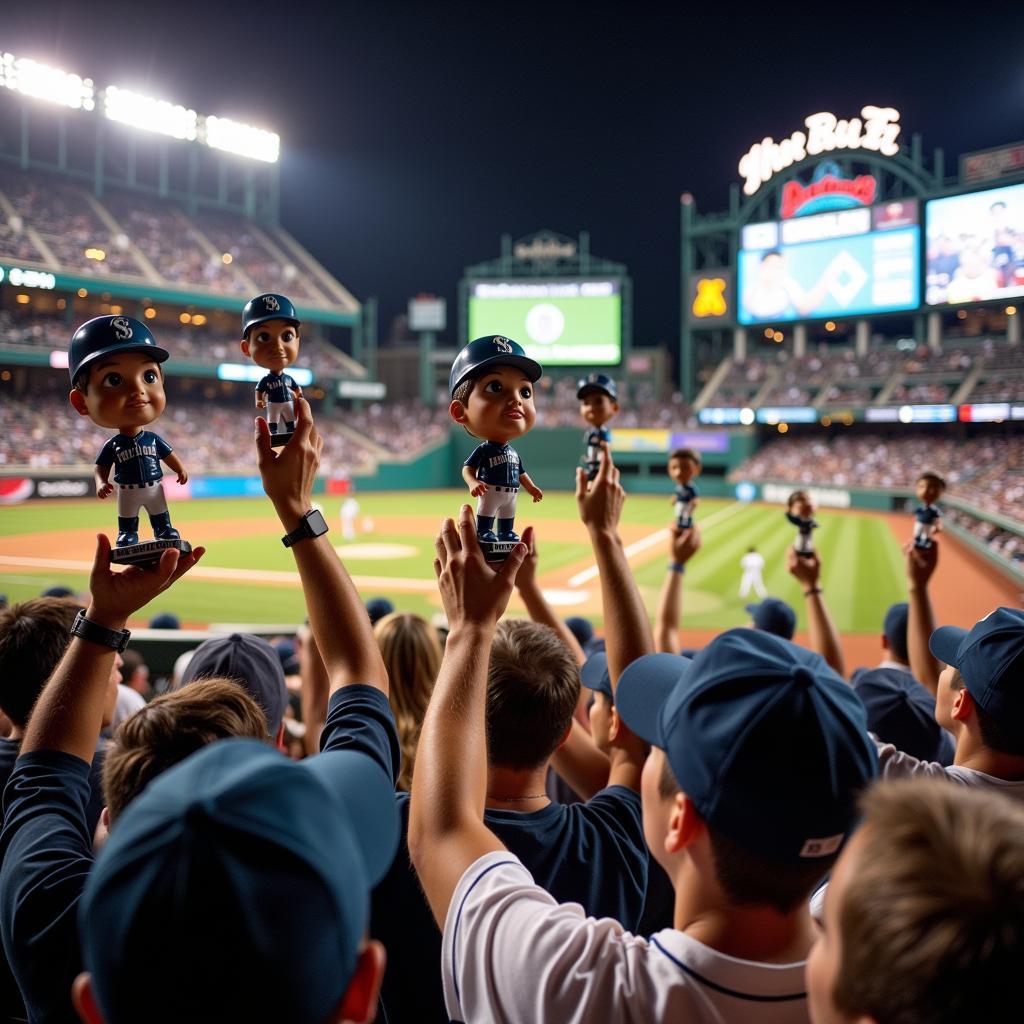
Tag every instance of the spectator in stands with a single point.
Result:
(773, 615)
(165, 620)
(412, 656)
(377, 608)
(924, 916)
(508, 944)
(135, 673)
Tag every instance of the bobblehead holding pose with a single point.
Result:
(270, 337)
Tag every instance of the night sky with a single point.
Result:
(414, 135)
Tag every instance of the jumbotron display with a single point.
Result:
(976, 247)
(558, 322)
(841, 263)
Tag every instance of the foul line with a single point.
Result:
(638, 546)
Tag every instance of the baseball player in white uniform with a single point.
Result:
(752, 564)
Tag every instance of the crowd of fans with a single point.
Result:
(987, 472)
(500, 823)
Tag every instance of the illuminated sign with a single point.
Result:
(912, 414)
(724, 415)
(876, 130)
(992, 164)
(828, 190)
(247, 371)
(787, 414)
(369, 389)
(28, 278)
(709, 294)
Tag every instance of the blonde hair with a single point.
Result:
(412, 656)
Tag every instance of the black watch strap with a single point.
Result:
(116, 639)
(312, 524)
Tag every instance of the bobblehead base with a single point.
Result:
(147, 555)
(497, 550)
(279, 440)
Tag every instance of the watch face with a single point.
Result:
(316, 523)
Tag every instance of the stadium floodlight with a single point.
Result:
(150, 114)
(29, 77)
(243, 139)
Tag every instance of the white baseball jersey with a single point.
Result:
(752, 562)
(510, 953)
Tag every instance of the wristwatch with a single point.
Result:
(116, 639)
(312, 524)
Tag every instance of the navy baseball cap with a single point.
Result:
(255, 871)
(773, 615)
(494, 350)
(990, 658)
(594, 674)
(597, 382)
(377, 608)
(769, 744)
(895, 629)
(580, 628)
(902, 712)
(105, 335)
(268, 307)
(252, 663)
(165, 620)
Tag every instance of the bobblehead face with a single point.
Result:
(273, 344)
(802, 506)
(597, 407)
(682, 471)
(124, 391)
(500, 407)
(928, 491)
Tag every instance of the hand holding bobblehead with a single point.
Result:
(491, 385)
(270, 337)
(599, 402)
(800, 512)
(117, 381)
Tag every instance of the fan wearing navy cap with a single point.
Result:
(599, 402)
(491, 386)
(117, 382)
(760, 751)
(270, 337)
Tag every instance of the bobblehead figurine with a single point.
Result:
(800, 512)
(270, 337)
(491, 385)
(117, 381)
(684, 466)
(930, 487)
(599, 402)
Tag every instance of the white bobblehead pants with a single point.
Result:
(278, 412)
(148, 496)
(752, 580)
(497, 501)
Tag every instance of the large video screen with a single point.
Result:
(976, 246)
(558, 322)
(842, 263)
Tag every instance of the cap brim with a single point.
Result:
(368, 797)
(945, 643)
(294, 321)
(594, 673)
(643, 689)
(533, 370)
(158, 354)
(594, 387)
(751, 608)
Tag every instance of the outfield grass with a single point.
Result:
(862, 562)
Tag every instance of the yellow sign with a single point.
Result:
(710, 300)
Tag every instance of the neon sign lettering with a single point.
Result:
(877, 129)
(855, 191)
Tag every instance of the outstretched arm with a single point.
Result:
(824, 635)
(449, 786)
(337, 615)
(69, 713)
(682, 546)
(920, 565)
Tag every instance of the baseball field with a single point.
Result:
(247, 576)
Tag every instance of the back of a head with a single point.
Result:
(931, 923)
(412, 656)
(533, 684)
(771, 748)
(895, 629)
(252, 663)
(33, 637)
(255, 871)
(169, 729)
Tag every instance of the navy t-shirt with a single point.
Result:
(136, 460)
(277, 387)
(927, 514)
(595, 435)
(496, 464)
(685, 492)
(588, 853)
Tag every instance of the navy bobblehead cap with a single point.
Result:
(493, 350)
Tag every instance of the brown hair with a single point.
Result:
(933, 478)
(794, 497)
(533, 683)
(412, 655)
(931, 926)
(748, 879)
(33, 637)
(993, 733)
(685, 453)
(169, 729)
(461, 395)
